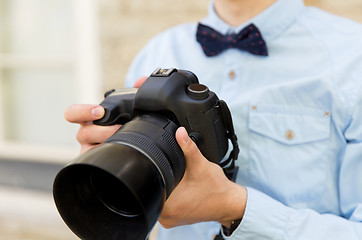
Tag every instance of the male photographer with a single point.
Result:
(293, 82)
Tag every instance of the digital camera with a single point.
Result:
(117, 190)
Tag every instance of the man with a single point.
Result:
(297, 111)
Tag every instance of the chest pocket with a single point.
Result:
(288, 152)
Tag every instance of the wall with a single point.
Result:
(126, 25)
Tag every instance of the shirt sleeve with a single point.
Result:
(266, 218)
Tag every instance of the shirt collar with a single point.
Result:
(271, 22)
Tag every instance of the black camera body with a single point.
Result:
(177, 95)
(117, 190)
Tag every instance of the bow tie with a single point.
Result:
(249, 39)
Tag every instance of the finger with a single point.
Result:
(94, 134)
(80, 113)
(189, 148)
(139, 82)
(85, 147)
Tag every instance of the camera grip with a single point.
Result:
(118, 106)
(210, 135)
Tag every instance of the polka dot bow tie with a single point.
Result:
(249, 39)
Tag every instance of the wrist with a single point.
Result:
(234, 205)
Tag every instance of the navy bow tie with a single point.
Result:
(249, 39)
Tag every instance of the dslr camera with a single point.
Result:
(117, 190)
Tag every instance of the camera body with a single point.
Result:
(177, 95)
(117, 190)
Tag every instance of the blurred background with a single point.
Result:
(57, 52)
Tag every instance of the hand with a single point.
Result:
(204, 193)
(89, 135)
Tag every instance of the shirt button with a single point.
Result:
(232, 75)
(289, 134)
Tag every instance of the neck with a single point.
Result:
(237, 12)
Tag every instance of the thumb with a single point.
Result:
(191, 152)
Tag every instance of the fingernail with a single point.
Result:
(97, 111)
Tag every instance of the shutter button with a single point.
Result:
(197, 91)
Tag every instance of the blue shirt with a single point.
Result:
(297, 114)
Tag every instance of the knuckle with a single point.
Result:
(83, 135)
(192, 148)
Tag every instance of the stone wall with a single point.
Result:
(126, 25)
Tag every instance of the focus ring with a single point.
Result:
(135, 140)
(177, 161)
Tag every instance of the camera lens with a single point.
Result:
(117, 190)
(114, 194)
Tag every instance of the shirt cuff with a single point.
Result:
(264, 218)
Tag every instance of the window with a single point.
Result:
(48, 60)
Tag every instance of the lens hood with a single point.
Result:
(102, 195)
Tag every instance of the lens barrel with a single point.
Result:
(117, 190)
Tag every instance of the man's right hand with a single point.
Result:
(89, 135)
